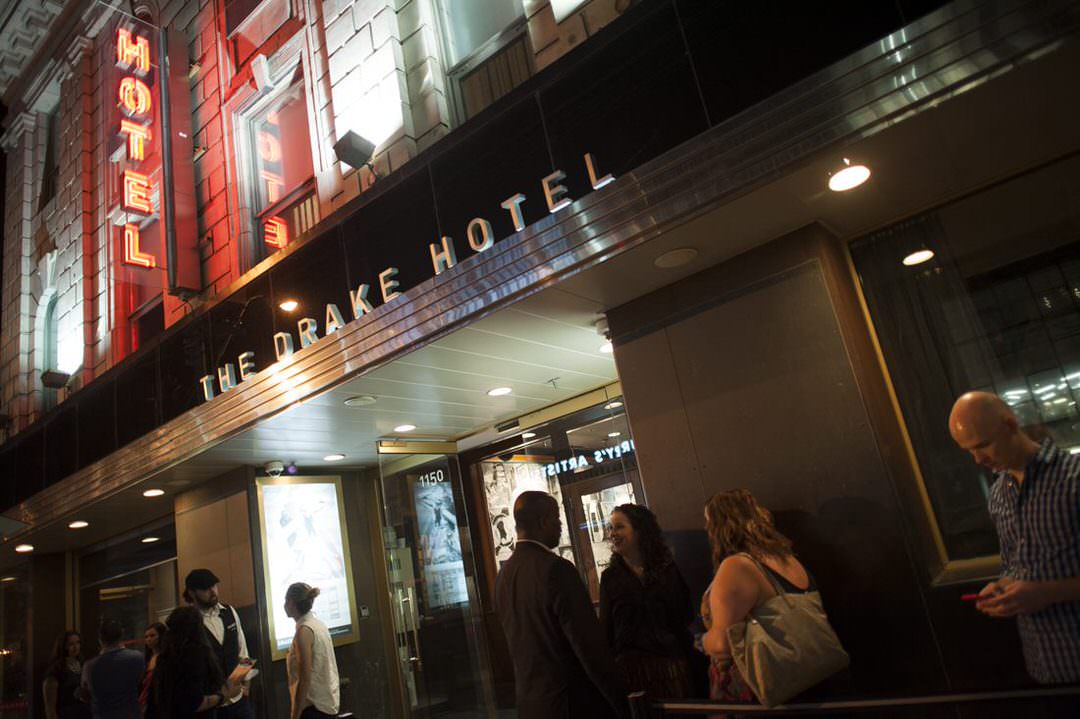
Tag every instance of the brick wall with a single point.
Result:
(372, 66)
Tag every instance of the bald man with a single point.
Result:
(1035, 504)
(562, 665)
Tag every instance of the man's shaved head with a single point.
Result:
(984, 425)
(536, 515)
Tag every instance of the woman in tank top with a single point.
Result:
(745, 545)
(312, 667)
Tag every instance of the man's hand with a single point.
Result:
(1008, 597)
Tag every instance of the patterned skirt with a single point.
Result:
(658, 676)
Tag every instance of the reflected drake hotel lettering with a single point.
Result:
(480, 237)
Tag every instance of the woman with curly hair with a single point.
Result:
(645, 607)
(745, 545)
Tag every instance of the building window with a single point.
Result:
(996, 308)
(50, 170)
(284, 200)
(486, 49)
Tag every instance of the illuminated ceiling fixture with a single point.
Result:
(335, 457)
(289, 305)
(7, 579)
(405, 428)
(24, 548)
(150, 540)
(848, 177)
(918, 257)
(528, 435)
(613, 405)
(607, 348)
(78, 524)
(151, 493)
(362, 401)
(675, 258)
(614, 434)
(499, 391)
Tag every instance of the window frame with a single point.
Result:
(284, 65)
(476, 59)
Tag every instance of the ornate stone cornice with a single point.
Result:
(79, 48)
(17, 125)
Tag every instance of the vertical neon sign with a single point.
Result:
(137, 105)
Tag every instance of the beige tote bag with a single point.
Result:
(786, 645)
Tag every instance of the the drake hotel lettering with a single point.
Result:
(479, 235)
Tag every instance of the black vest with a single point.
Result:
(228, 651)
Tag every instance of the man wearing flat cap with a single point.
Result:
(226, 635)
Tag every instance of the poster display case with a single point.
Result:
(302, 524)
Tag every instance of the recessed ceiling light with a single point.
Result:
(151, 493)
(405, 428)
(918, 257)
(675, 258)
(607, 348)
(24, 548)
(289, 305)
(78, 524)
(613, 405)
(614, 434)
(362, 401)
(335, 457)
(499, 391)
(528, 435)
(150, 540)
(7, 579)
(848, 177)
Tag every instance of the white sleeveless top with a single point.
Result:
(323, 691)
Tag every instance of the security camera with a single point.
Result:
(274, 469)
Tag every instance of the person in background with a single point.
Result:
(63, 678)
(226, 636)
(562, 665)
(152, 639)
(312, 667)
(645, 607)
(111, 679)
(187, 677)
(745, 545)
(1033, 503)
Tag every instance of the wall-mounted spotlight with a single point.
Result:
(55, 379)
(355, 151)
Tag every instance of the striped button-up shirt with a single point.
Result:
(1038, 524)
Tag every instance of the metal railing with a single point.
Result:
(642, 708)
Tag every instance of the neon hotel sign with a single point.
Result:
(480, 238)
(137, 107)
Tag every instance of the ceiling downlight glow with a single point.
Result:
(335, 457)
(607, 348)
(614, 434)
(150, 540)
(528, 435)
(289, 305)
(405, 428)
(78, 524)
(918, 257)
(499, 391)
(151, 493)
(848, 177)
(24, 548)
(613, 405)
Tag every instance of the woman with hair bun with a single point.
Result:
(313, 677)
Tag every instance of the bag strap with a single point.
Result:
(780, 592)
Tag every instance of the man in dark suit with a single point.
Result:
(564, 669)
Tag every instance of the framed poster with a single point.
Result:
(439, 539)
(302, 523)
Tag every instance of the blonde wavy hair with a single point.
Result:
(736, 522)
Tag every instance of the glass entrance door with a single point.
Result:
(437, 620)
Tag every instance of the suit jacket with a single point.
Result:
(563, 667)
